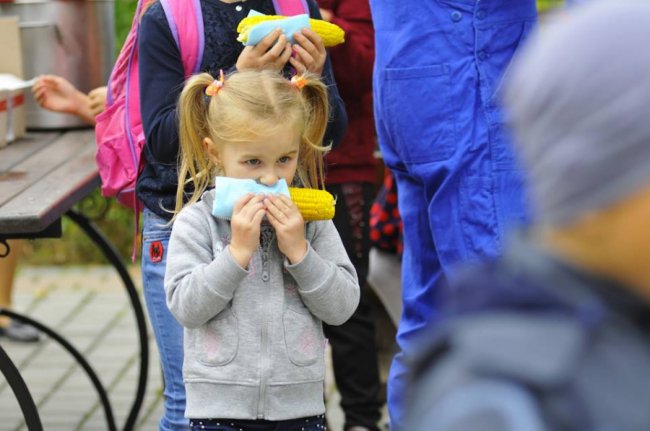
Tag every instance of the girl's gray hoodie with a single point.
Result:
(253, 339)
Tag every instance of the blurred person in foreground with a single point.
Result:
(555, 335)
(438, 66)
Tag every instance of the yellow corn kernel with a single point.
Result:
(314, 204)
(331, 34)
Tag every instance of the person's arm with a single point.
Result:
(353, 60)
(327, 281)
(57, 94)
(199, 282)
(338, 119)
(161, 82)
(97, 99)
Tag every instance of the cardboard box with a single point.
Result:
(12, 98)
(12, 108)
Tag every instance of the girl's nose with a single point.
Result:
(268, 179)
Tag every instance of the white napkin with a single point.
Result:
(10, 82)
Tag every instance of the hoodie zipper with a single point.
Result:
(264, 335)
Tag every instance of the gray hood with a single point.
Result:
(578, 97)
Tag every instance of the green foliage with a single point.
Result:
(124, 10)
(114, 221)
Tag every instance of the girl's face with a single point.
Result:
(265, 159)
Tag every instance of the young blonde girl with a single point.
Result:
(161, 80)
(252, 292)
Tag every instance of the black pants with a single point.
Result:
(313, 423)
(354, 353)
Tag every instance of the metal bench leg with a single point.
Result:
(114, 258)
(18, 386)
(103, 397)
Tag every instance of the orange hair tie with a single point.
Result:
(298, 81)
(216, 85)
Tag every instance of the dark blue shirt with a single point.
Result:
(530, 342)
(161, 81)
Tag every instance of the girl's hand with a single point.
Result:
(245, 224)
(272, 52)
(97, 98)
(57, 94)
(289, 226)
(310, 54)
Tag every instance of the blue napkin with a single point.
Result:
(289, 26)
(227, 191)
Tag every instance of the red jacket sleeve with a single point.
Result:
(353, 60)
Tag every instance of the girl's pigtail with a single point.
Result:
(194, 167)
(314, 93)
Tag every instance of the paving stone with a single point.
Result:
(90, 308)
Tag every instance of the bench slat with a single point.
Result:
(20, 150)
(40, 163)
(48, 195)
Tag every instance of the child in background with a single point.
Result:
(57, 94)
(12, 329)
(251, 292)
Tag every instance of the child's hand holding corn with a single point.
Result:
(307, 45)
(309, 53)
(272, 52)
(289, 226)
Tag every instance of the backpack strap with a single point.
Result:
(118, 79)
(291, 7)
(185, 21)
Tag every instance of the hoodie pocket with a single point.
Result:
(218, 341)
(303, 337)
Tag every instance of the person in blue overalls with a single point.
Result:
(437, 71)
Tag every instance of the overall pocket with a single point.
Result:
(419, 112)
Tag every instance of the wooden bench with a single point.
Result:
(42, 176)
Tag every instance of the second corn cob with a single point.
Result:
(331, 34)
(314, 204)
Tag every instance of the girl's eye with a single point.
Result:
(253, 162)
(284, 159)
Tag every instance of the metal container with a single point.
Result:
(70, 38)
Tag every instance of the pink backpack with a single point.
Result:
(118, 130)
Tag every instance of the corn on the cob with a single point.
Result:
(313, 204)
(545, 5)
(331, 34)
